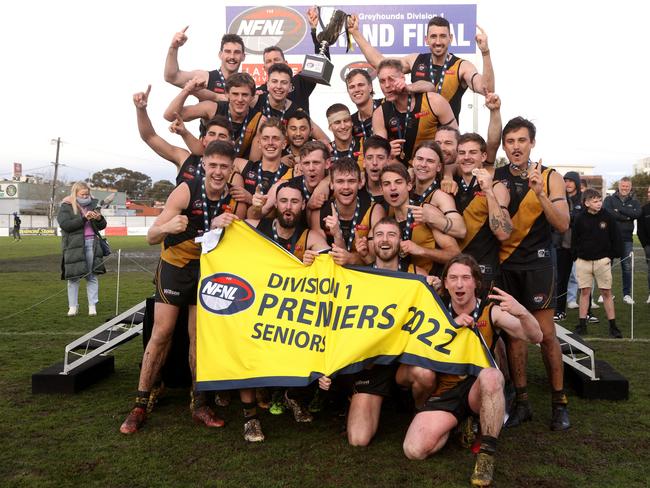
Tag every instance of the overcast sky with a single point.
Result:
(579, 70)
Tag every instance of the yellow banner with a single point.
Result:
(265, 319)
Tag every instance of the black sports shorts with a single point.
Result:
(378, 380)
(534, 288)
(454, 401)
(177, 286)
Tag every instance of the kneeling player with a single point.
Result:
(371, 385)
(457, 397)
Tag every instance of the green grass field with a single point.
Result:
(73, 440)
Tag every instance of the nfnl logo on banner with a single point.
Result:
(393, 29)
(226, 294)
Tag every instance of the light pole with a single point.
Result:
(50, 218)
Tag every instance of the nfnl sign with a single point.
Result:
(393, 29)
(261, 27)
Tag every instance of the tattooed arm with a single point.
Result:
(498, 198)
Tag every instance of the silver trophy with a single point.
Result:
(317, 67)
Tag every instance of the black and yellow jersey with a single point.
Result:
(362, 129)
(362, 225)
(479, 242)
(485, 326)
(420, 200)
(529, 244)
(422, 125)
(296, 244)
(452, 85)
(180, 249)
(216, 82)
(263, 106)
(354, 151)
(253, 177)
(243, 142)
(421, 235)
(190, 169)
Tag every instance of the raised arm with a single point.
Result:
(493, 103)
(372, 55)
(148, 134)
(477, 82)
(193, 144)
(487, 79)
(498, 198)
(202, 110)
(312, 18)
(173, 74)
(554, 203)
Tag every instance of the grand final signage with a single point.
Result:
(265, 319)
(393, 29)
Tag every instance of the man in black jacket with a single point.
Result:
(595, 241)
(643, 231)
(625, 208)
(16, 229)
(562, 243)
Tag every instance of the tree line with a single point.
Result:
(136, 185)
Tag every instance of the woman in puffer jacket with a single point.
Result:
(79, 217)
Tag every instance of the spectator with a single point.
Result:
(625, 208)
(643, 231)
(562, 242)
(572, 289)
(572, 286)
(80, 219)
(595, 241)
(16, 229)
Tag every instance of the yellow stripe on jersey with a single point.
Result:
(428, 123)
(363, 227)
(301, 245)
(182, 253)
(446, 382)
(451, 83)
(475, 215)
(523, 220)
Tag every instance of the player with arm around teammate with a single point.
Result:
(371, 385)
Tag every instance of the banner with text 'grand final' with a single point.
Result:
(265, 319)
(393, 29)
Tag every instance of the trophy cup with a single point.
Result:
(317, 67)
